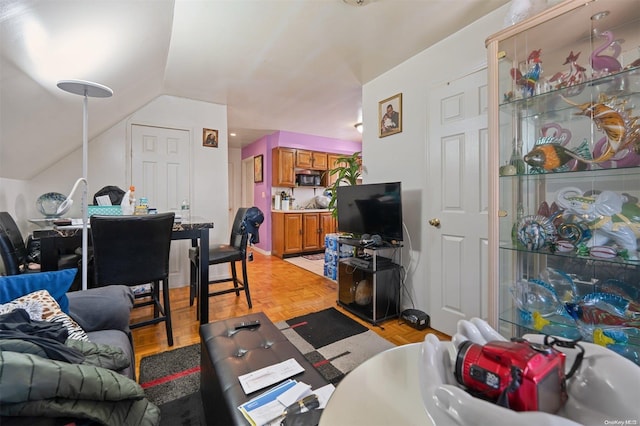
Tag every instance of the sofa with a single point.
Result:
(67, 357)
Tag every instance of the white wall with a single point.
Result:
(402, 157)
(109, 157)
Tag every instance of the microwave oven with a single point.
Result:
(308, 180)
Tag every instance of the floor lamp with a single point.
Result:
(86, 89)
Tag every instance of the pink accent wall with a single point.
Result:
(264, 146)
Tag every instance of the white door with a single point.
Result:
(456, 201)
(247, 182)
(160, 172)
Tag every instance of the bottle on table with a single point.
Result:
(185, 211)
(129, 201)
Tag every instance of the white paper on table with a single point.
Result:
(296, 393)
(267, 376)
(265, 407)
(103, 200)
(324, 393)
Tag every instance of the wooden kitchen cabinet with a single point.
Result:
(332, 162)
(320, 161)
(328, 225)
(310, 231)
(283, 160)
(311, 160)
(295, 232)
(286, 233)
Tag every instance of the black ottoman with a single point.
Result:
(226, 356)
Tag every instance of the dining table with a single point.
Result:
(57, 238)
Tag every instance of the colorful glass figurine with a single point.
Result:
(603, 65)
(572, 77)
(607, 215)
(527, 82)
(611, 116)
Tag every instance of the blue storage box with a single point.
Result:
(104, 210)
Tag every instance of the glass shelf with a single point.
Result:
(578, 212)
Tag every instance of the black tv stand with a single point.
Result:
(369, 282)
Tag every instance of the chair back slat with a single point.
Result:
(239, 237)
(131, 250)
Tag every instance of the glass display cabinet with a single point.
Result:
(564, 123)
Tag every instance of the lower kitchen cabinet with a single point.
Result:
(295, 232)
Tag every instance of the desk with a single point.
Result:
(384, 390)
(52, 240)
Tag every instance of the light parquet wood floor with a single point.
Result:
(278, 288)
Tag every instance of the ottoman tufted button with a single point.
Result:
(241, 352)
(267, 344)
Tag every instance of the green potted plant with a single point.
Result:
(348, 170)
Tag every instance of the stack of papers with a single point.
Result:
(268, 408)
(268, 376)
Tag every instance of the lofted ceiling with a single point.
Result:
(292, 65)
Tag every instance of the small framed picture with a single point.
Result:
(257, 168)
(390, 115)
(210, 138)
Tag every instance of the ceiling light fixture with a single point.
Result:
(356, 2)
(358, 127)
(600, 15)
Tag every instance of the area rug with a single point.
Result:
(331, 341)
(317, 256)
(171, 380)
(315, 266)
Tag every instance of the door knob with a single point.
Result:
(434, 222)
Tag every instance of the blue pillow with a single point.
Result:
(57, 283)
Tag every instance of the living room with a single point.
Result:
(446, 154)
(414, 78)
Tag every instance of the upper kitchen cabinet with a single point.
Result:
(564, 131)
(283, 160)
(311, 160)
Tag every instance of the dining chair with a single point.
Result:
(244, 230)
(15, 254)
(132, 251)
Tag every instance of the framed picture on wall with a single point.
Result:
(390, 115)
(257, 168)
(210, 138)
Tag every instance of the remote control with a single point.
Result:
(247, 324)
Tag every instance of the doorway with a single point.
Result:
(161, 172)
(247, 183)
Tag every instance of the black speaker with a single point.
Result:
(416, 318)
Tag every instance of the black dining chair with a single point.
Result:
(15, 254)
(243, 230)
(133, 251)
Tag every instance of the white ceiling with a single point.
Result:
(292, 65)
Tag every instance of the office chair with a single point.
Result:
(14, 252)
(134, 250)
(243, 230)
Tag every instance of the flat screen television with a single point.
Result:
(374, 209)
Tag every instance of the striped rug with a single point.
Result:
(331, 341)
